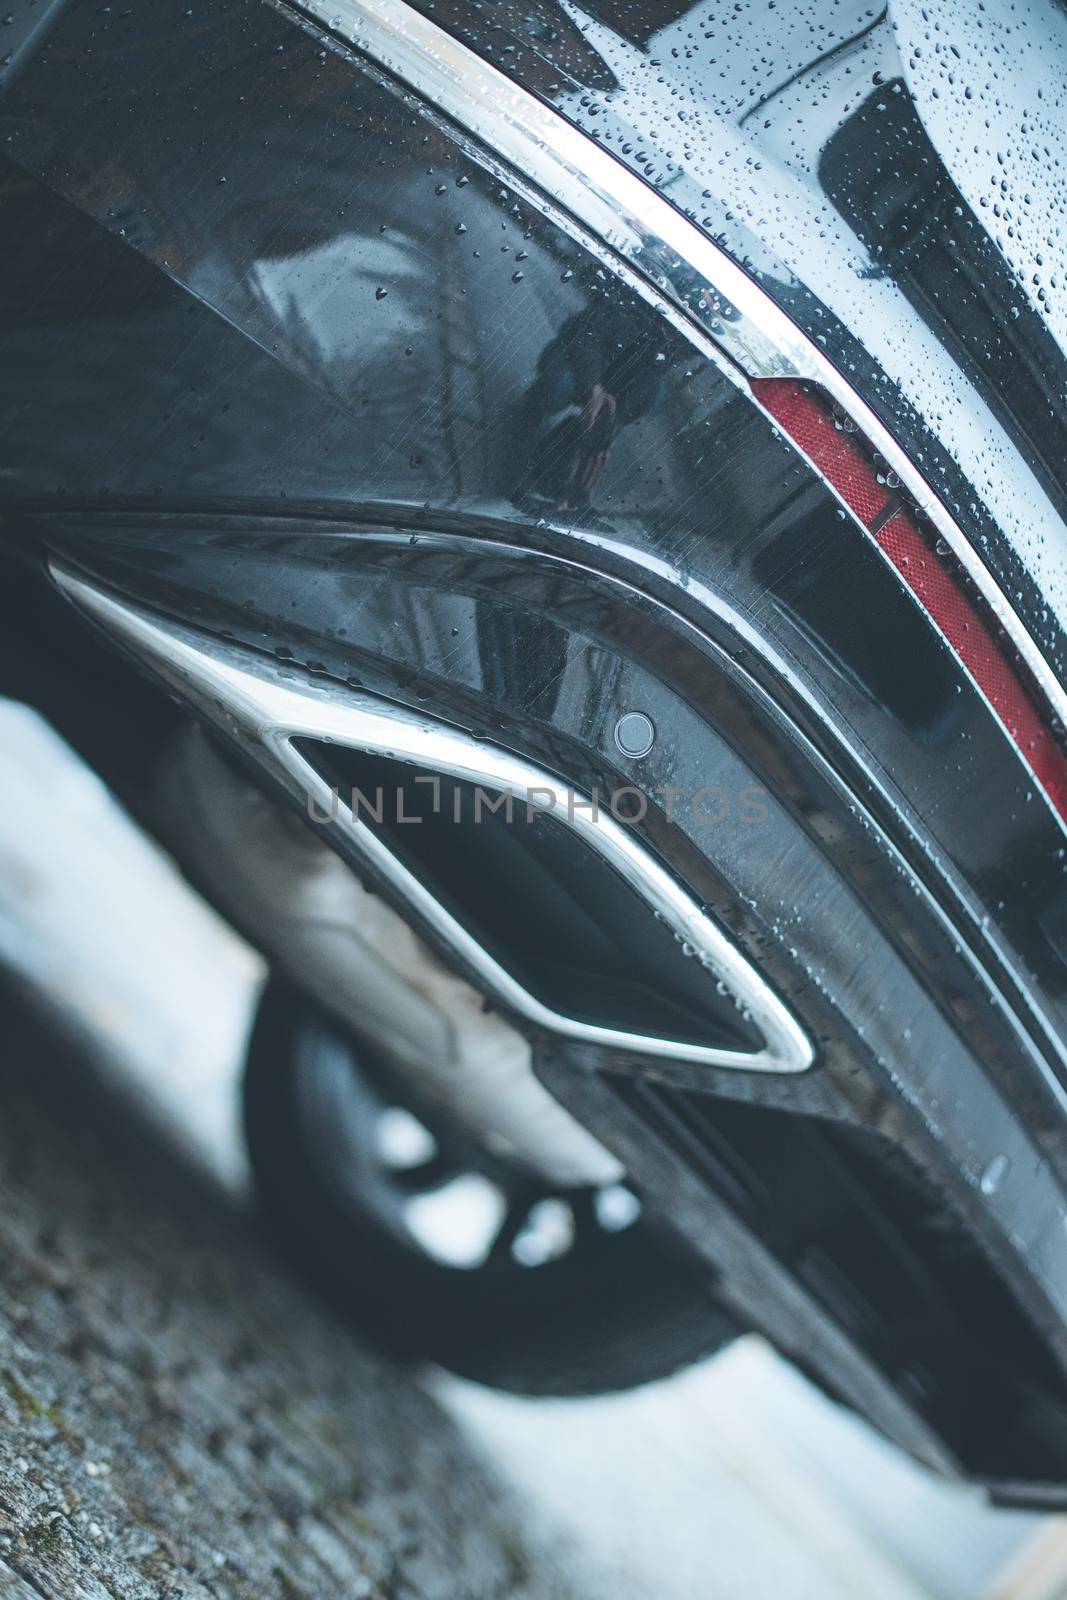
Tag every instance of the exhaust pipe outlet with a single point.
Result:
(306, 910)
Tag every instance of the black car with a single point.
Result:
(554, 513)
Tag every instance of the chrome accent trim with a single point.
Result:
(647, 238)
(263, 705)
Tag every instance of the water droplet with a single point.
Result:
(994, 1175)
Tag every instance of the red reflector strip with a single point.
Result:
(844, 460)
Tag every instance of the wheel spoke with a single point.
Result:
(583, 1209)
(423, 1178)
(514, 1222)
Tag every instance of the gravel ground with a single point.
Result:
(179, 1420)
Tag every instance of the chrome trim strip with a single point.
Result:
(264, 705)
(645, 237)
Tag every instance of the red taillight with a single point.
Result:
(845, 460)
